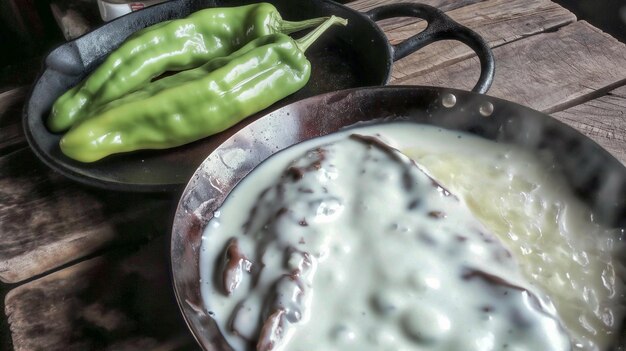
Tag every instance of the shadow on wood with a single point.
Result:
(120, 301)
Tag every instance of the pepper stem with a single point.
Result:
(288, 27)
(306, 41)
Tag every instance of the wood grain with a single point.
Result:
(121, 301)
(389, 25)
(497, 21)
(11, 132)
(75, 17)
(603, 120)
(444, 5)
(548, 72)
(47, 220)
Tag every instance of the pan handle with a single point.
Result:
(440, 27)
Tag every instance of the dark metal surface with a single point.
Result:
(596, 177)
(356, 56)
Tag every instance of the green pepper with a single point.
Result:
(169, 46)
(204, 102)
(174, 80)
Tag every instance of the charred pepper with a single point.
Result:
(169, 46)
(178, 111)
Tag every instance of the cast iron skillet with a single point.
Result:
(595, 176)
(356, 56)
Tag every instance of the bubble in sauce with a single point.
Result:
(425, 324)
(343, 333)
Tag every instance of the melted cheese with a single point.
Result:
(514, 261)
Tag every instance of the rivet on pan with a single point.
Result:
(486, 109)
(448, 100)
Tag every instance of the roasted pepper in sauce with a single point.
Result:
(169, 46)
(194, 104)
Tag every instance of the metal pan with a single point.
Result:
(356, 56)
(595, 176)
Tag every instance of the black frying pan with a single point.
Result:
(356, 56)
(596, 177)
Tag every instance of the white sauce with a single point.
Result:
(398, 267)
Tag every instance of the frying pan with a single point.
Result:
(356, 56)
(596, 177)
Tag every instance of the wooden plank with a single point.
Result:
(11, 132)
(389, 25)
(444, 5)
(121, 301)
(5, 333)
(497, 21)
(603, 120)
(76, 17)
(10, 137)
(46, 220)
(548, 72)
(9, 99)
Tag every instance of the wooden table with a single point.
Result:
(88, 269)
